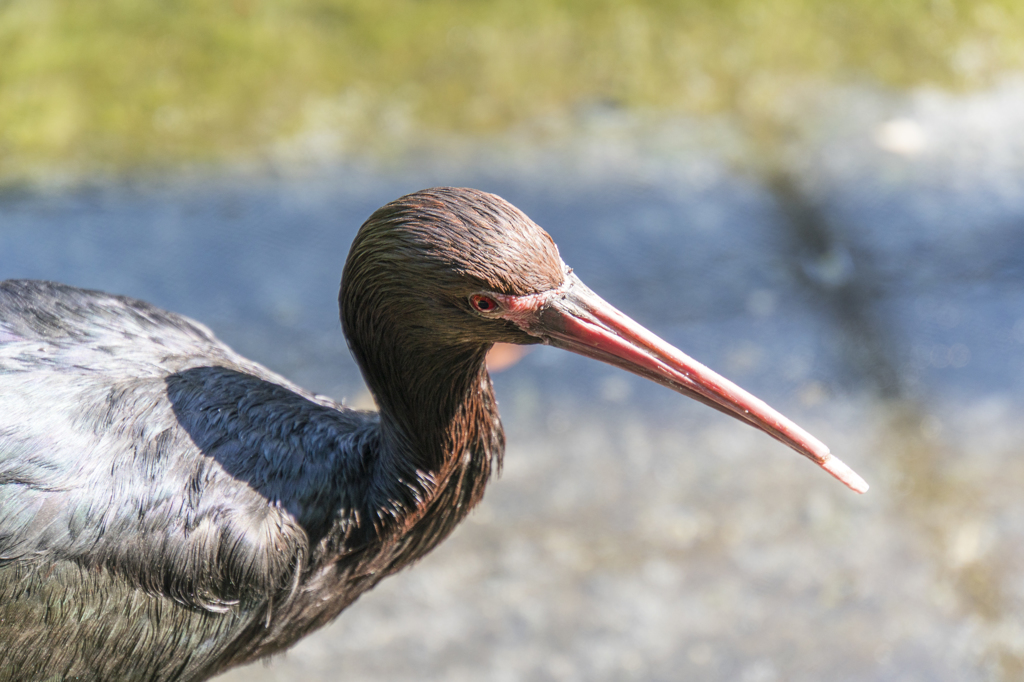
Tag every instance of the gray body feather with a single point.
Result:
(153, 483)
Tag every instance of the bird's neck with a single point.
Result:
(441, 438)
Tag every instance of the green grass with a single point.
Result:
(113, 85)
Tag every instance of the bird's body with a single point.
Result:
(152, 481)
(169, 509)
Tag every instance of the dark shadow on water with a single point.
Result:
(944, 509)
(843, 283)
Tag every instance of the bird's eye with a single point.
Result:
(484, 304)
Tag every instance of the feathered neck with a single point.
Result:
(440, 438)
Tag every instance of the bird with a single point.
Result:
(170, 509)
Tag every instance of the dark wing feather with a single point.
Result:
(158, 475)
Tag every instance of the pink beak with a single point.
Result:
(575, 318)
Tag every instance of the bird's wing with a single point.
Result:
(131, 441)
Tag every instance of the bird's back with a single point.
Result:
(161, 498)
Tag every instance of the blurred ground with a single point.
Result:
(871, 285)
(117, 87)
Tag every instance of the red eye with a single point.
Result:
(484, 304)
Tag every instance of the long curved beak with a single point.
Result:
(577, 319)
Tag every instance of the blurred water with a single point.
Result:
(873, 289)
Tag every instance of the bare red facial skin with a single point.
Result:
(576, 319)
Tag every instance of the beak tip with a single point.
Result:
(845, 474)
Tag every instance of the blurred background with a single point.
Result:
(821, 199)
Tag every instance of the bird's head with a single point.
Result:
(438, 262)
(450, 268)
